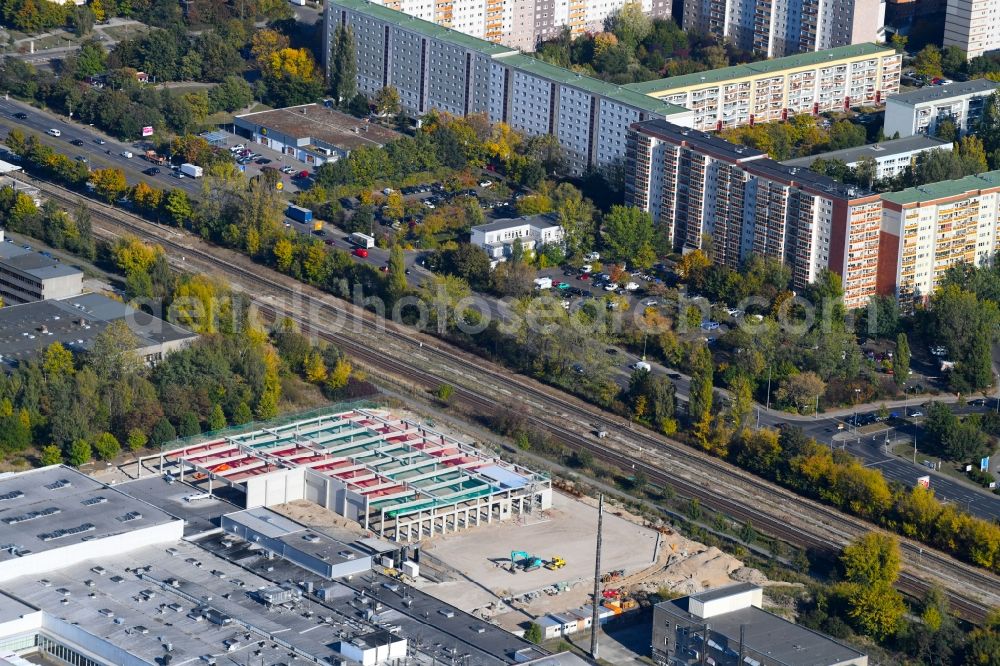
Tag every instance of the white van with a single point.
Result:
(54, 132)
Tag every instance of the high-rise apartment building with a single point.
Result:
(520, 24)
(436, 68)
(832, 80)
(782, 27)
(928, 229)
(695, 184)
(972, 25)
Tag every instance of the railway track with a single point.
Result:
(829, 529)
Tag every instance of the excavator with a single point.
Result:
(519, 558)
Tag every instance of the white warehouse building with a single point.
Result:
(436, 68)
(920, 111)
(498, 238)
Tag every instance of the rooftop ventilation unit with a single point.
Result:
(94, 500)
(31, 515)
(14, 494)
(61, 483)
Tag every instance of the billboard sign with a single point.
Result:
(924, 481)
(147, 130)
(984, 464)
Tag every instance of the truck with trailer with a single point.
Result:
(299, 214)
(152, 156)
(362, 240)
(192, 170)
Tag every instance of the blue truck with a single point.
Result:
(299, 214)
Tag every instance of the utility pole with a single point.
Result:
(595, 620)
(769, 389)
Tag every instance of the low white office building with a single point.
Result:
(891, 157)
(532, 232)
(920, 111)
(27, 276)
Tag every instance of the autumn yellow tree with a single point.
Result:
(133, 256)
(292, 64)
(283, 253)
(146, 197)
(337, 378)
(604, 41)
(266, 42)
(315, 368)
(198, 302)
(109, 184)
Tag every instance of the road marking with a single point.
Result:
(879, 462)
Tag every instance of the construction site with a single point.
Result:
(395, 477)
(491, 537)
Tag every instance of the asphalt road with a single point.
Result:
(99, 156)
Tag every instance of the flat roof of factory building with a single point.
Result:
(53, 507)
(275, 526)
(783, 641)
(75, 322)
(123, 612)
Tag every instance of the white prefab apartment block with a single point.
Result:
(498, 238)
(891, 157)
(920, 111)
(928, 229)
(783, 27)
(971, 25)
(770, 90)
(520, 24)
(436, 68)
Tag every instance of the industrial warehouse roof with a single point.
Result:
(424, 27)
(782, 641)
(57, 506)
(948, 91)
(772, 66)
(884, 149)
(275, 526)
(320, 123)
(74, 322)
(945, 189)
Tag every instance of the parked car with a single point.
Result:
(710, 325)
